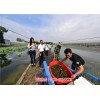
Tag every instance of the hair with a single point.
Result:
(41, 40)
(67, 50)
(31, 40)
(59, 46)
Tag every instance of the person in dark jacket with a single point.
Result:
(77, 62)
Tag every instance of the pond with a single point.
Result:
(12, 67)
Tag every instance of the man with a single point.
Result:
(46, 49)
(77, 64)
(41, 52)
(56, 52)
(50, 47)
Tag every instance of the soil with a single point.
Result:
(29, 78)
(35, 72)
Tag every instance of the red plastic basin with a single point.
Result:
(58, 80)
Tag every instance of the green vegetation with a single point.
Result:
(6, 59)
(19, 53)
(18, 49)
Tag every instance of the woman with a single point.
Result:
(32, 51)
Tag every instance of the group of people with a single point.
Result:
(43, 49)
(77, 61)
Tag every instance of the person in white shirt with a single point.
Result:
(46, 49)
(50, 47)
(41, 52)
(32, 51)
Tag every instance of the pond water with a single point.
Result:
(12, 67)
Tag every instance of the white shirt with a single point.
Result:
(49, 46)
(46, 47)
(32, 47)
(41, 47)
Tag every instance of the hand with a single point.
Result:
(73, 76)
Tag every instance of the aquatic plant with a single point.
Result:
(4, 50)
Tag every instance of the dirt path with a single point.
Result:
(34, 72)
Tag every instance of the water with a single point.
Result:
(11, 71)
(13, 68)
(92, 60)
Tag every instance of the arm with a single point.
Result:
(35, 45)
(80, 71)
(39, 52)
(29, 46)
(54, 56)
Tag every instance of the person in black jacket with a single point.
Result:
(77, 62)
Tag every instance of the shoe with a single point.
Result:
(31, 64)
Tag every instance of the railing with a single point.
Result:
(93, 78)
(47, 74)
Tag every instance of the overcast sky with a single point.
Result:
(52, 27)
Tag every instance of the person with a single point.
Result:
(41, 52)
(46, 49)
(56, 52)
(77, 62)
(50, 47)
(32, 51)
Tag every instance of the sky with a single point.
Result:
(52, 27)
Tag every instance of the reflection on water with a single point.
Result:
(4, 61)
(12, 67)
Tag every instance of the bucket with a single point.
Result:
(60, 81)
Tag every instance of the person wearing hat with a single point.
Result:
(56, 52)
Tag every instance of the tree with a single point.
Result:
(19, 40)
(2, 30)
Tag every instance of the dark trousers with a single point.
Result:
(41, 58)
(46, 52)
(33, 56)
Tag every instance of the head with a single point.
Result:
(41, 41)
(68, 52)
(59, 46)
(31, 40)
